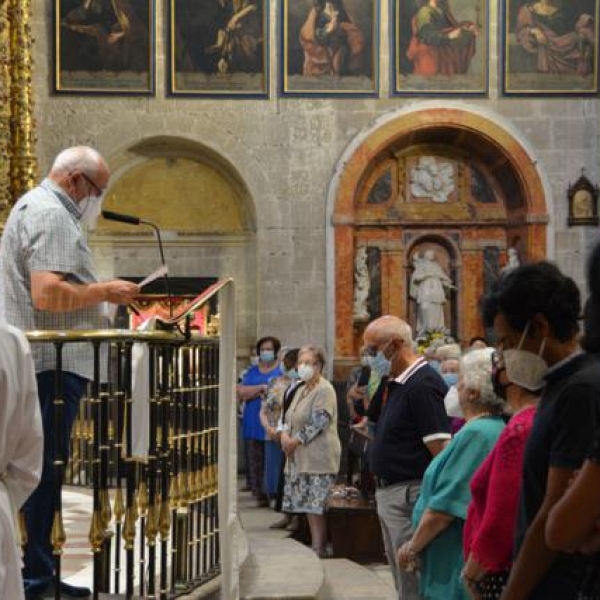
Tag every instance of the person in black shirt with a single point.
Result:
(574, 522)
(411, 430)
(534, 311)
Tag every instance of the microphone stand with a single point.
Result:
(131, 220)
(164, 264)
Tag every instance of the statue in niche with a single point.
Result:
(512, 262)
(362, 285)
(428, 287)
(432, 179)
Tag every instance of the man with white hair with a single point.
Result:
(21, 450)
(48, 282)
(412, 429)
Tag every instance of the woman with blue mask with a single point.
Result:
(272, 409)
(312, 446)
(251, 391)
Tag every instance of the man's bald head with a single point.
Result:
(389, 327)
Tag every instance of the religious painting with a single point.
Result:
(440, 47)
(219, 48)
(104, 46)
(330, 47)
(550, 47)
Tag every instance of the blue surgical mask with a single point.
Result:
(450, 379)
(380, 364)
(436, 365)
(267, 356)
(291, 373)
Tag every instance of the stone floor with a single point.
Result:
(280, 568)
(274, 566)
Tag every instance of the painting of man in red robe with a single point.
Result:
(551, 47)
(440, 44)
(558, 45)
(333, 44)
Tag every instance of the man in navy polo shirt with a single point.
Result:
(412, 429)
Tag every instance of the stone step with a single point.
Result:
(347, 580)
(280, 569)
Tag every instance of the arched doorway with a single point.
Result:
(204, 209)
(446, 182)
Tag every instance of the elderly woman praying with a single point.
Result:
(440, 512)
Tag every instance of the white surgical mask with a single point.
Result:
(452, 404)
(306, 372)
(525, 368)
(90, 209)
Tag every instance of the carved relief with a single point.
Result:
(432, 179)
(362, 285)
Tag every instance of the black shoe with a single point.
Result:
(72, 591)
(67, 591)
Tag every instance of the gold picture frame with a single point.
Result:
(583, 203)
(104, 47)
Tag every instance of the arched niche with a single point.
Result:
(205, 212)
(489, 197)
(182, 187)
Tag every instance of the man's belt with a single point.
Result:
(382, 482)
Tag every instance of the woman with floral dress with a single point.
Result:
(312, 446)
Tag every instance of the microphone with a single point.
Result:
(131, 220)
(113, 216)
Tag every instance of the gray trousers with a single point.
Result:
(394, 507)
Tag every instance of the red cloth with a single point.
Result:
(489, 532)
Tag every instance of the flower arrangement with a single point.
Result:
(432, 338)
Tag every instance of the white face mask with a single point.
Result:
(452, 404)
(306, 372)
(90, 209)
(524, 368)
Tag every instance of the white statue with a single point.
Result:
(362, 284)
(428, 287)
(512, 262)
(432, 179)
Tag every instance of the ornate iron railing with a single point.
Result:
(151, 460)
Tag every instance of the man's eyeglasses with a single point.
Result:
(372, 351)
(99, 191)
(497, 360)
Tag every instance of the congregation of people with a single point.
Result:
(484, 459)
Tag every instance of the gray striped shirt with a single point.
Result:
(43, 233)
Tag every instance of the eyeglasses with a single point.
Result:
(497, 360)
(372, 351)
(99, 191)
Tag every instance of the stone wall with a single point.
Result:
(286, 151)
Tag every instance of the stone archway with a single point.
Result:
(491, 198)
(204, 209)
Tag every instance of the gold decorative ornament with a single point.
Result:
(18, 163)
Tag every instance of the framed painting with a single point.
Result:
(329, 47)
(549, 47)
(440, 47)
(219, 48)
(104, 46)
